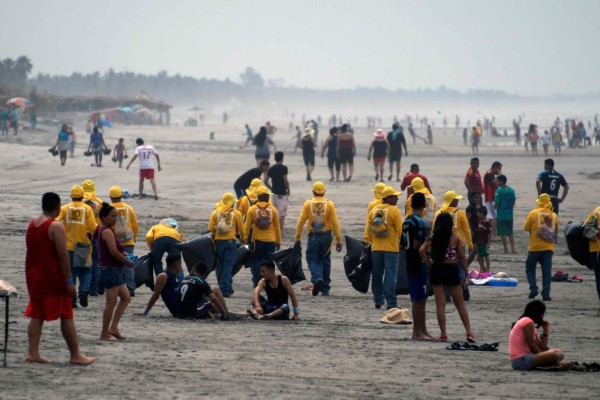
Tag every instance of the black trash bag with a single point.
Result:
(402, 274)
(289, 262)
(360, 277)
(242, 258)
(579, 245)
(144, 272)
(354, 249)
(201, 248)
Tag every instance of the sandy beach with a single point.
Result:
(338, 349)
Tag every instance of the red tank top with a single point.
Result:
(42, 271)
(105, 259)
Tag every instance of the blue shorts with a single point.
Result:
(417, 285)
(110, 278)
(268, 308)
(523, 363)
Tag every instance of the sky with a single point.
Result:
(531, 48)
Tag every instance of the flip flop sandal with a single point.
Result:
(489, 347)
(455, 346)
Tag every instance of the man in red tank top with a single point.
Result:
(49, 281)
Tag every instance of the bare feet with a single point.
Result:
(109, 338)
(252, 313)
(37, 359)
(307, 287)
(565, 365)
(82, 360)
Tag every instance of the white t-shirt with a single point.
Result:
(146, 154)
(545, 139)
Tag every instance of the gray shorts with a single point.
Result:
(524, 363)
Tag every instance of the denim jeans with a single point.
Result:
(128, 273)
(95, 277)
(161, 246)
(262, 252)
(226, 250)
(545, 260)
(595, 263)
(384, 276)
(318, 258)
(84, 274)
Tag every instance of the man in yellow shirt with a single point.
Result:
(541, 223)
(322, 221)
(379, 186)
(126, 230)
(263, 219)
(428, 213)
(90, 198)
(384, 226)
(226, 222)
(595, 248)
(79, 222)
(162, 238)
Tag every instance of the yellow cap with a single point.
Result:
(76, 192)
(389, 191)
(378, 188)
(115, 192)
(544, 199)
(319, 187)
(450, 196)
(228, 199)
(417, 184)
(262, 190)
(88, 186)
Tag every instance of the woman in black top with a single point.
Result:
(308, 151)
(380, 148)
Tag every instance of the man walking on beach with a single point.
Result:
(49, 281)
(489, 188)
(278, 175)
(408, 178)
(146, 153)
(396, 140)
(322, 221)
(549, 181)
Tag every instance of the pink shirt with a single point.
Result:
(517, 345)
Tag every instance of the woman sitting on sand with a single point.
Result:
(447, 255)
(111, 258)
(528, 351)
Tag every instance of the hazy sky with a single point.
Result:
(525, 47)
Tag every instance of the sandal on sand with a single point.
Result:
(471, 338)
(443, 338)
(117, 336)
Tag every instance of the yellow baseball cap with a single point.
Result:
(450, 196)
(88, 186)
(115, 192)
(379, 186)
(544, 199)
(262, 190)
(76, 192)
(319, 187)
(389, 191)
(417, 184)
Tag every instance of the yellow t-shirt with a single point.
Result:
(160, 230)
(534, 222)
(460, 224)
(321, 216)
(127, 212)
(372, 204)
(594, 244)
(272, 233)
(393, 221)
(232, 219)
(78, 219)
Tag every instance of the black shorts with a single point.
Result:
(346, 156)
(331, 161)
(309, 159)
(445, 274)
(395, 157)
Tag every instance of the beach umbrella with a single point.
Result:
(127, 109)
(19, 102)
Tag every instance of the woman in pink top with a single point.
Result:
(528, 351)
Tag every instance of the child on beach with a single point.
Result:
(482, 237)
(119, 152)
(504, 202)
(528, 351)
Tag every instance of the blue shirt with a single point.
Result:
(551, 182)
(169, 294)
(63, 136)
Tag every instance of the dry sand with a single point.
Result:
(339, 349)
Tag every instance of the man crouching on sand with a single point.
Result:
(192, 298)
(278, 289)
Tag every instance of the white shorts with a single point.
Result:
(491, 211)
(280, 203)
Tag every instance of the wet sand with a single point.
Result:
(339, 349)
